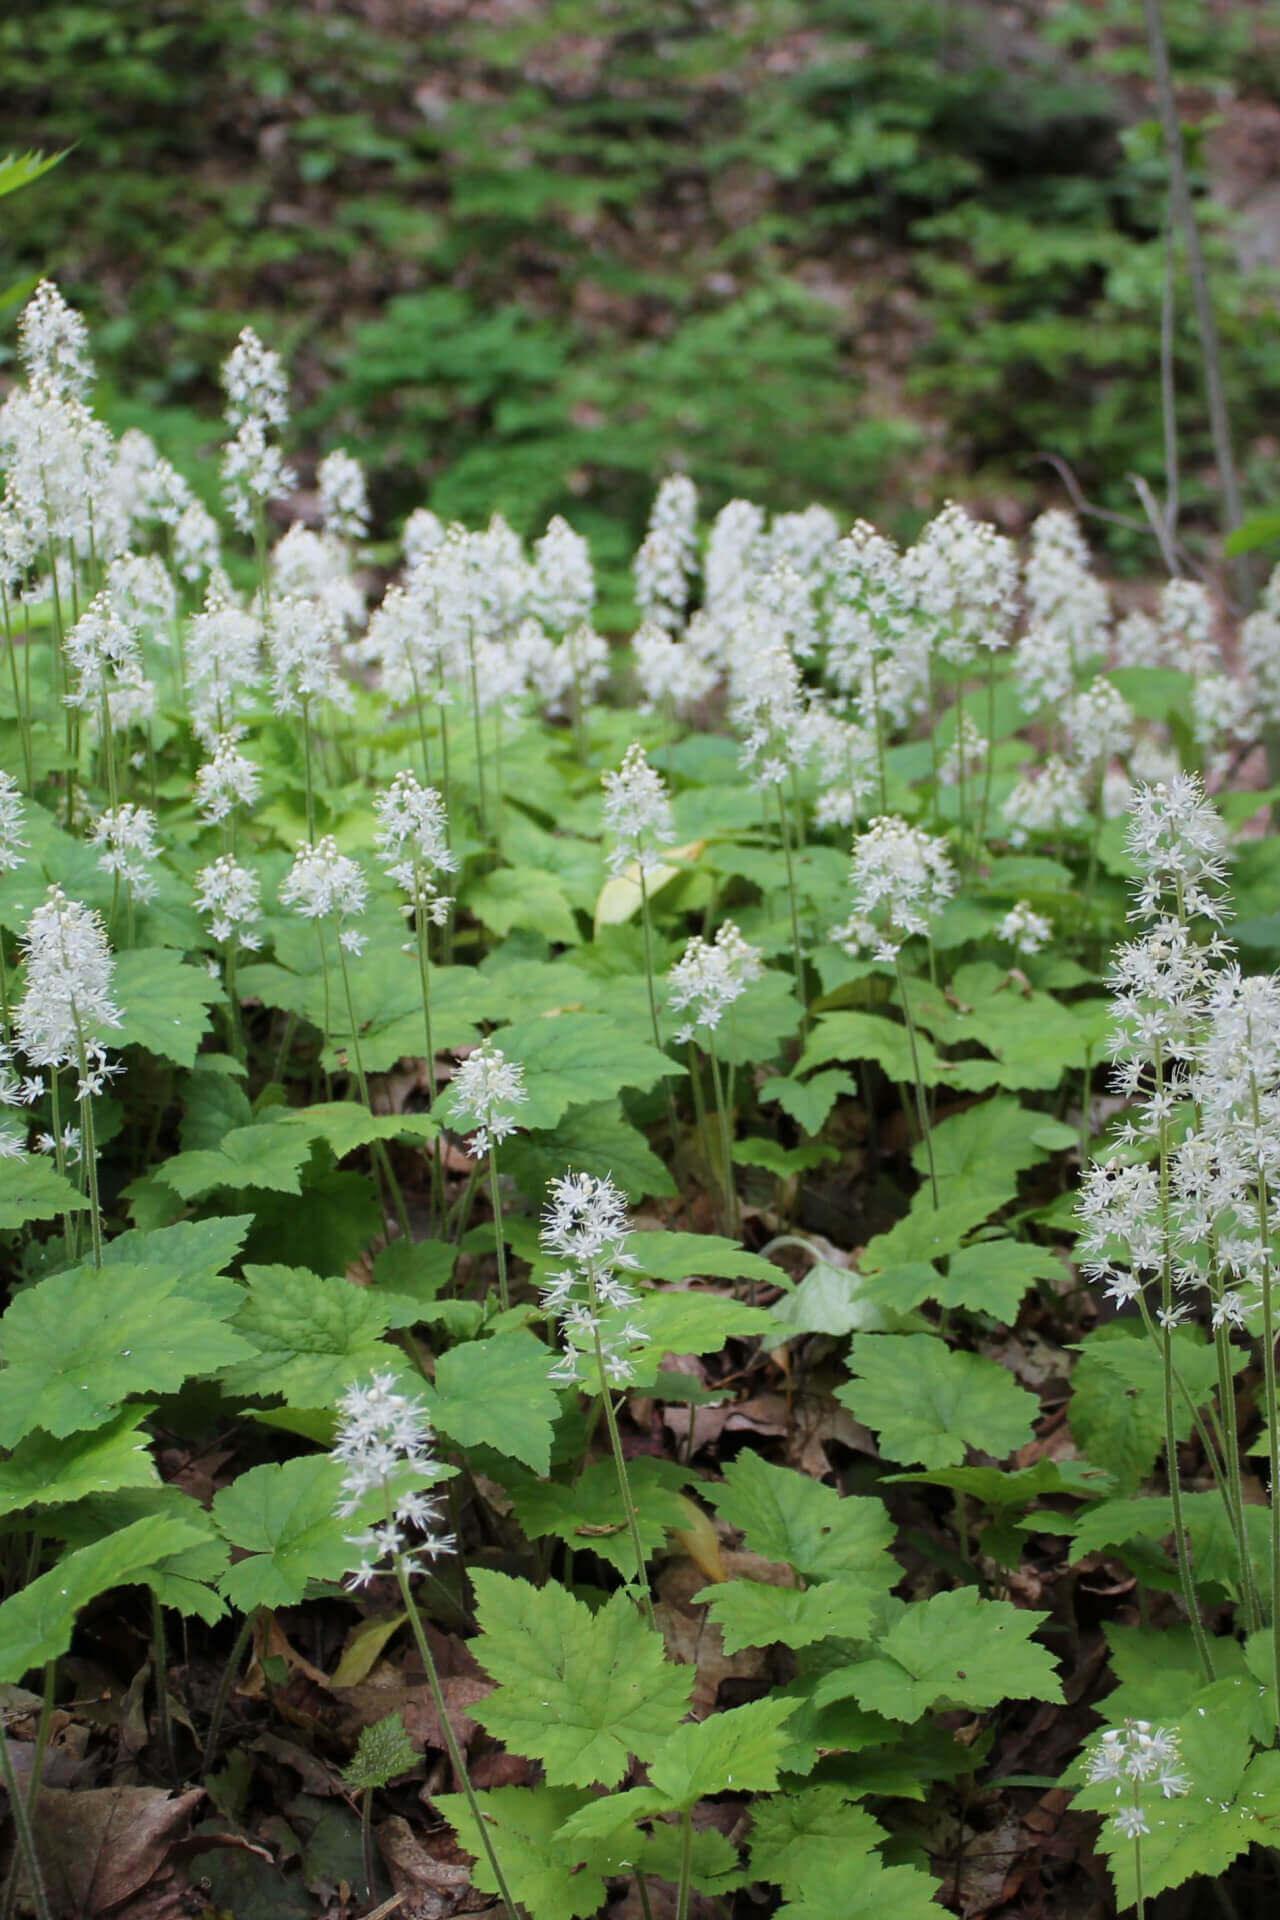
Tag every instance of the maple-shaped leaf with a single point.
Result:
(80, 1343)
(751, 1613)
(582, 1692)
(954, 1647)
(931, 1402)
(788, 1515)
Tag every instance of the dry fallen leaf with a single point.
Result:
(102, 1846)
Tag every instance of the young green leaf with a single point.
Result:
(383, 1752)
(580, 1691)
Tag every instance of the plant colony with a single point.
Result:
(412, 1011)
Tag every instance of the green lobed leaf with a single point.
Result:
(495, 1393)
(751, 1613)
(46, 1472)
(738, 1750)
(817, 1834)
(80, 1343)
(953, 1647)
(809, 1102)
(597, 1139)
(789, 1516)
(36, 1624)
(589, 1515)
(930, 1402)
(164, 1001)
(31, 1188)
(548, 1875)
(311, 1337)
(579, 1060)
(582, 1692)
(284, 1518)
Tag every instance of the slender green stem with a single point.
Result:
(499, 1239)
(985, 808)
(685, 1887)
(424, 976)
(22, 1827)
(1190, 1600)
(307, 771)
(479, 731)
(20, 707)
(646, 923)
(366, 1839)
(381, 1157)
(793, 901)
(922, 1105)
(450, 1738)
(89, 1146)
(620, 1467)
(223, 1694)
(1140, 1901)
(728, 1184)
(70, 1221)
(160, 1669)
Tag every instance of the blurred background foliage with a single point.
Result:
(528, 254)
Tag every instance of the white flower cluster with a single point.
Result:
(637, 812)
(300, 647)
(253, 467)
(965, 580)
(127, 836)
(585, 1225)
(1048, 799)
(316, 567)
(105, 665)
(484, 1095)
(667, 560)
(1186, 1025)
(1030, 932)
(901, 878)
(671, 672)
(1067, 613)
(12, 822)
(227, 894)
(413, 836)
(384, 1442)
(1135, 1758)
(324, 884)
(224, 661)
(67, 1007)
(344, 497)
(227, 780)
(709, 977)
